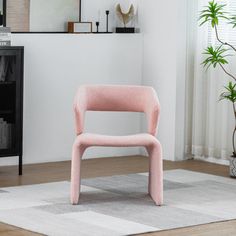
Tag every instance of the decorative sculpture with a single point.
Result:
(125, 17)
(107, 24)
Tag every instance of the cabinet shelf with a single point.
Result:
(11, 102)
(6, 112)
(8, 152)
(7, 83)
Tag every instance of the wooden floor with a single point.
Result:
(49, 172)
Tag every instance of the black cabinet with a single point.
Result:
(11, 102)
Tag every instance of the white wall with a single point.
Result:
(55, 65)
(181, 78)
(163, 26)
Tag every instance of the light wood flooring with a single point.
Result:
(50, 172)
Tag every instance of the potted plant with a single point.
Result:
(217, 56)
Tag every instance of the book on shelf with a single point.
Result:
(5, 134)
(4, 64)
(5, 40)
(6, 68)
(5, 36)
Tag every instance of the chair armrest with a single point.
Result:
(152, 111)
(80, 106)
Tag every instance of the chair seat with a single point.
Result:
(87, 140)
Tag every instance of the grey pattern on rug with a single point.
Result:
(1, 191)
(119, 205)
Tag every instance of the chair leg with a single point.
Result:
(155, 185)
(77, 153)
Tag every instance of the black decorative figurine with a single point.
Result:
(97, 24)
(107, 13)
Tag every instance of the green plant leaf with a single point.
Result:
(215, 56)
(229, 93)
(212, 13)
(232, 21)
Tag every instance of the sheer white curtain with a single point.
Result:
(209, 123)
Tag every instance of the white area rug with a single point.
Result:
(119, 205)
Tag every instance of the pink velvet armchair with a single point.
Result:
(118, 98)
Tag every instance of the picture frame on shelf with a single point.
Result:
(80, 27)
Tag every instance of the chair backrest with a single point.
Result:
(117, 98)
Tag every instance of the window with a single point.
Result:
(226, 32)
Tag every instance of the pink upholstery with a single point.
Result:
(118, 98)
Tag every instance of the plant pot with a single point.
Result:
(232, 166)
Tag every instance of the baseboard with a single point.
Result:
(213, 160)
(13, 161)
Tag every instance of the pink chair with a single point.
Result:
(118, 98)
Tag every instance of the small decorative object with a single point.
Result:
(5, 36)
(97, 24)
(107, 13)
(125, 18)
(217, 56)
(80, 26)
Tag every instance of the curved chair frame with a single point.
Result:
(118, 98)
